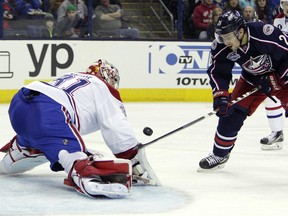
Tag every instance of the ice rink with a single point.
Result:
(253, 182)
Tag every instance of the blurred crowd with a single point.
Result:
(200, 16)
(69, 18)
(64, 19)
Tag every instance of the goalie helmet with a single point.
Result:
(106, 71)
(229, 21)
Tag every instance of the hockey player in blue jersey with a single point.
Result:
(50, 120)
(262, 52)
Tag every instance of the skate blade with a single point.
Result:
(221, 166)
(271, 147)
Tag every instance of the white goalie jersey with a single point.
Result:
(77, 104)
(281, 22)
(91, 110)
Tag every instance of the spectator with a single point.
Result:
(6, 15)
(81, 8)
(49, 30)
(249, 14)
(98, 2)
(202, 16)
(211, 29)
(72, 25)
(54, 5)
(262, 10)
(232, 5)
(22, 8)
(244, 3)
(220, 3)
(108, 20)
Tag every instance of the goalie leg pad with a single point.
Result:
(19, 159)
(97, 176)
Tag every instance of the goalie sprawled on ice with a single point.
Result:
(50, 118)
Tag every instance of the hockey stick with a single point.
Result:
(140, 145)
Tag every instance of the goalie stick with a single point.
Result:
(140, 145)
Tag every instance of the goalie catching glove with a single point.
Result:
(97, 176)
(143, 173)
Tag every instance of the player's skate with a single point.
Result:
(19, 159)
(96, 176)
(273, 141)
(143, 173)
(212, 162)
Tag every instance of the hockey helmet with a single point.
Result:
(106, 71)
(229, 21)
(281, 3)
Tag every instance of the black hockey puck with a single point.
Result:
(148, 131)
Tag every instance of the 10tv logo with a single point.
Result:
(182, 59)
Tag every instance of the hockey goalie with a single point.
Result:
(50, 120)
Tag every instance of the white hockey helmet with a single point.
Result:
(106, 71)
(281, 2)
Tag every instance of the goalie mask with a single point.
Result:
(106, 71)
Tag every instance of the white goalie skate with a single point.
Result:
(273, 141)
(143, 173)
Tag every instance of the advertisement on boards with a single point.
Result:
(142, 64)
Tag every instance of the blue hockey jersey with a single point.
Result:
(265, 52)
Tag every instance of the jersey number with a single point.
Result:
(281, 37)
(68, 86)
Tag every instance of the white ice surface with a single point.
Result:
(253, 182)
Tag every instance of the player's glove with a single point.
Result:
(268, 83)
(221, 103)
